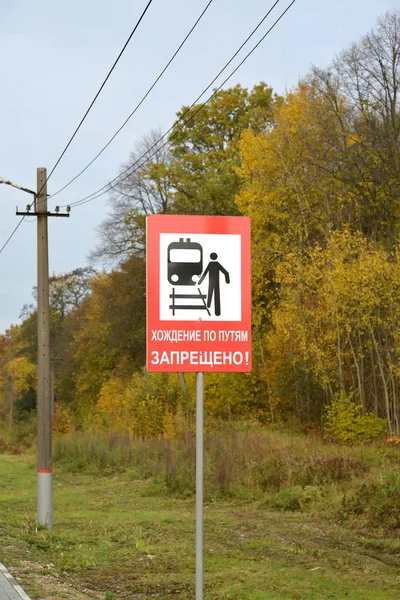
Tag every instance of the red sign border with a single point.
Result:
(188, 225)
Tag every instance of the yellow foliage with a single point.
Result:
(146, 406)
(92, 356)
(62, 421)
(338, 321)
(289, 186)
(111, 411)
(23, 373)
(347, 426)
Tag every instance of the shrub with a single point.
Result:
(62, 421)
(378, 503)
(288, 499)
(272, 473)
(311, 493)
(347, 426)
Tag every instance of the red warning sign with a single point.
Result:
(198, 293)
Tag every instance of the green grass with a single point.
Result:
(127, 538)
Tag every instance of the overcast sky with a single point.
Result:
(55, 54)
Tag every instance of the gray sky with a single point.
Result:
(55, 55)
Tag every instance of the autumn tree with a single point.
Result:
(66, 293)
(205, 149)
(109, 333)
(192, 172)
(289, 186)
(143, 188)
(336, 328)
(321, 188)
(368, 76)
(17, 376)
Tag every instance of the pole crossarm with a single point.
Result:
(37, 214)
(15, 185)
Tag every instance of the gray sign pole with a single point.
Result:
(199, 483)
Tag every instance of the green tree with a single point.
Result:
(206, 149)
(193, 173)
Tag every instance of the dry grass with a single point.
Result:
(238, 464)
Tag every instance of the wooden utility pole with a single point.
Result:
(44, 464)
(44, 394)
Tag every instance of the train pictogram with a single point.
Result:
(185, 262)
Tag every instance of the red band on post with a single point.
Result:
(44, 471)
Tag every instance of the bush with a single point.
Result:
(378, 503)
(62, 421)
(295, 498)
(347, 426)
(288, 499)
(21, 438)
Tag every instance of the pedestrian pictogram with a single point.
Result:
(198, 293)
(213, 270)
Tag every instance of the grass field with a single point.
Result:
(118, 537)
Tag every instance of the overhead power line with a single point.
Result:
(101, 191)
(100, 88)
(106, 188)
(11, 235)
(139, 104)
(85, 115)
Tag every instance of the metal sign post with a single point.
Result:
(198, 312)
(199, 483)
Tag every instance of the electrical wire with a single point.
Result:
(84, 116)
(107, 187)
(139, 104)
(95, 195)
(99, 92)
(9, 238)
